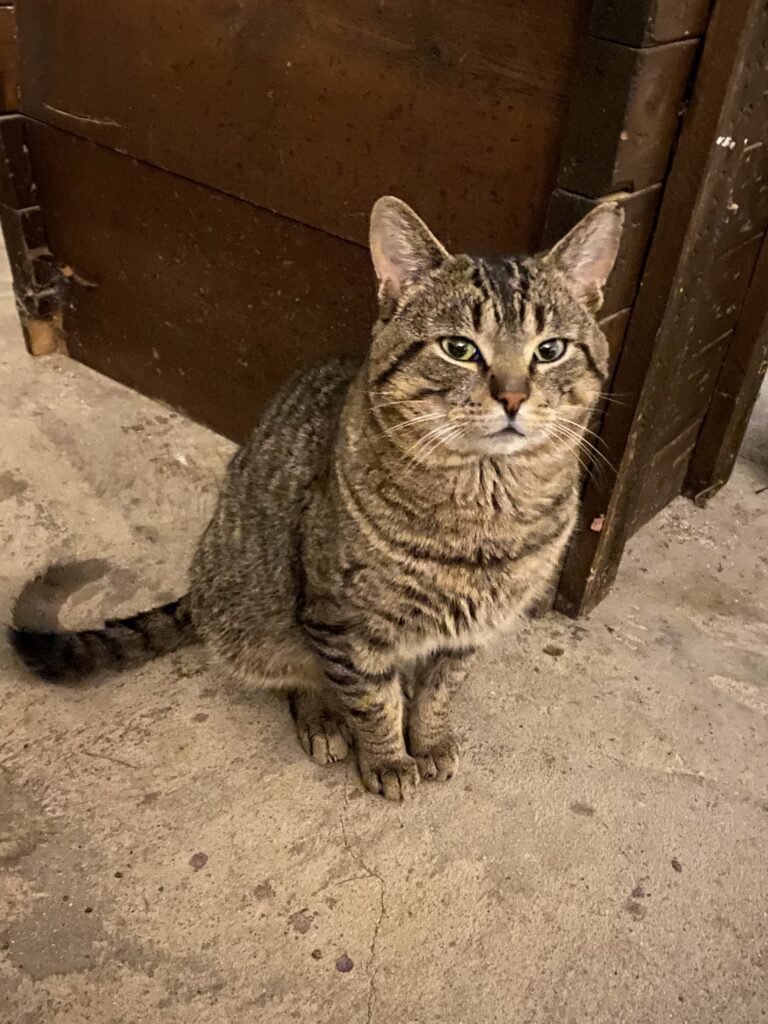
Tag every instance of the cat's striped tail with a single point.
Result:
(61, 656)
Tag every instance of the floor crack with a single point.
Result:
(371, 967)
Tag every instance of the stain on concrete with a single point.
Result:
(635, 909)
(22, 821)
(56, 938)
(11, 485)
(301, 921)
(264, 891)
(586, 810)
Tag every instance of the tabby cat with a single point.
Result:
(386, 520)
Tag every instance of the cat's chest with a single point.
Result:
(467, 604)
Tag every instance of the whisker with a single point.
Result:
(442, 440)
(432, 440)
(396, 401)
(592, 453)
(599, 460)
(574, 423)
(595, 451)
(412, 420)
(425, 437)
(614, 401)
(551, 433)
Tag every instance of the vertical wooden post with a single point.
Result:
(705, 247)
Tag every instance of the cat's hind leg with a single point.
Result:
(320, 725)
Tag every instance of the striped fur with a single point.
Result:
(121, 643)
(385, 520)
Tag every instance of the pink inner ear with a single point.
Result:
(586, 255)
(402, 246)
(593, 263)
(391, 277)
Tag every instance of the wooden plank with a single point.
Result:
(312, 108)
(624, 116)
(640, 211)
(17, 190)
(9, 61)
(649, 22)
(187, 295)
(741, 375)
(693, 288)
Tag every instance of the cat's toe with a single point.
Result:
(322, 733)
(440, 762)
(323, 741)
(395, 779)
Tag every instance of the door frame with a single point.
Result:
(691, 225)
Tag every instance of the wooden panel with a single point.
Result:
(188, 295)
(706, 322)
(624, 116)
(741, 375)
(312, 108)
(640, 210)
(16, 187)
(649, 22)
(691, 295)
(9, 60)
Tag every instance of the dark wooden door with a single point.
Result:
(691, 362)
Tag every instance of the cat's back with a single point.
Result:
(294, 438)
(245, 565)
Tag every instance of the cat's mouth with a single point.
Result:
(506, 431)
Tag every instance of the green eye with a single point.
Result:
(461, 349)
(550, 351)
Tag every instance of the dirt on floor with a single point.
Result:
(168, 854)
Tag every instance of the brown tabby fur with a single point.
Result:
(386, 520)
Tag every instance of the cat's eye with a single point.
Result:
(461, 349)
(550, 351)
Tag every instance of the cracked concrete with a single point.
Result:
(167, 853)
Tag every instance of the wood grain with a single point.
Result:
(624, 116)
(9, 61)
(188, 295)
(312, 108)
(741, 374)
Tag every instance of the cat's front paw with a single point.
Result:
(395, 778)
(438, 760)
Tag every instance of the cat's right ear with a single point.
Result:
(403, 248)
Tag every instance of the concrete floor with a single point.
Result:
(169, 854)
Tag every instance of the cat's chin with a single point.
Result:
(507, 443)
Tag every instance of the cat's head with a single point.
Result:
(479, 357)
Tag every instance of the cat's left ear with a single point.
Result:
(585, 257)
(403, 248)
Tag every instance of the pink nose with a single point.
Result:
(512, 400)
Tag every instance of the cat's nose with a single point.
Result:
(512, 400)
